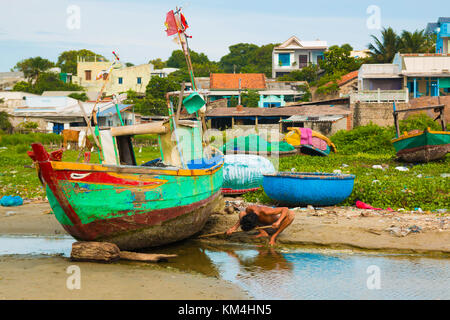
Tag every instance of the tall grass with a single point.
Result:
(29, 138)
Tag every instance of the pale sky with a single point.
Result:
(135, 28)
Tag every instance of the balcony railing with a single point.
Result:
(380, 96)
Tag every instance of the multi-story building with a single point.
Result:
(121, 78)
(442, 30)
(295, 54)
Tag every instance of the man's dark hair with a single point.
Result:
(249, 221)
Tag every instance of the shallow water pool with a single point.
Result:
(292, 273)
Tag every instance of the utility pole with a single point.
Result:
(239, 99)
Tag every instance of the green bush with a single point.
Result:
(374, 139)
(370, 139)
(420, 187)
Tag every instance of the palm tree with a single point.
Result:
(414, 42)
(384, 50)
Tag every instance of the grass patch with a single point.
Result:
(420, 187)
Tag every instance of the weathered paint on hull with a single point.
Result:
(149, 208)
(422, 147)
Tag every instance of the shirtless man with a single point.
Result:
(257, 216)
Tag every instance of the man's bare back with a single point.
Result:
(279, 218)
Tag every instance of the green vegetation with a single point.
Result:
(420, 187)
(5, 125)
(46, 81)
(361, 148)
(17, 180)
(79, 96)
(383, 49)
(29, 138)
(32, 67)
(250, 98)
(67, 60)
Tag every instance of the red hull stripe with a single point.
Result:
(102, 178)
(139, 220)
(232, 191)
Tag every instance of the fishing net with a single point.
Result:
(254, 142)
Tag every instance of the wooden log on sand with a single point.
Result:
(145, 257)
(109, 252)
(95, 251)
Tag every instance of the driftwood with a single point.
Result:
(145, 257)
(109, 252)
(223, 233)
(95, 251)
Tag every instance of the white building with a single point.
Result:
(295, 54)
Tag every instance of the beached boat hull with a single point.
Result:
(133, 207)
(424, 146)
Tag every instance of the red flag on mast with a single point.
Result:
(171, 24)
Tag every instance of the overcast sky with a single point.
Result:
(135, 28)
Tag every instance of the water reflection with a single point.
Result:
(268, 273)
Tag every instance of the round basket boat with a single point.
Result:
(299, 188)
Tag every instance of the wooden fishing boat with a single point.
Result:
(319, 189)
(129, 205)
(422, 145)
(309, 142)
(159, 202)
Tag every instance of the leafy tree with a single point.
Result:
(49, 81)
(67, 60)
(5, 125)
(239, 57)
(178, 60)
(151, 106)
(416, 42)
(233, 102)
(347, 47)
(158, 63)
(79, 96)
(250, 98)
(338, 59)
(158, 87)
(383, 50)
(23, 86)
(309, 73)
(32, 67)
(129, 64)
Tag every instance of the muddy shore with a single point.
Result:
(333, 227)
(44, 277)
(30, 277)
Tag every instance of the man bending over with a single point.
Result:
(258, 216)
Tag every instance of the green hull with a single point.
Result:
(424, 147)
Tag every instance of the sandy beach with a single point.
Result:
(333, 227)
(44, 277)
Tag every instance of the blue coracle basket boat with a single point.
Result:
(300, 188)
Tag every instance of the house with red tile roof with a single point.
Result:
(236, 81)
(271, 93)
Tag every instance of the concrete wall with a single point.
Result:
(377, 113)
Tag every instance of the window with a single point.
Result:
(87, 75)
(120, 80)
(284, 59)
(139, 80)
(303, 61)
